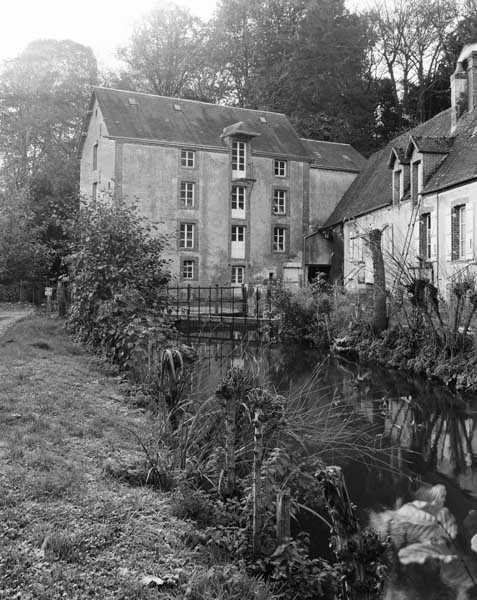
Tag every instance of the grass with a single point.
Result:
(67, 530)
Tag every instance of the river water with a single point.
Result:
(422, 435)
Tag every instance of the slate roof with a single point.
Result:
(372, 188)
(137, 116)
(335, 156)
(432, 145)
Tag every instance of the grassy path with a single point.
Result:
(66, 529)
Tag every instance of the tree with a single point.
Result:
(163, 54)
(43, 94)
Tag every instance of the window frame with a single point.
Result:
(239, 159)
(279, 165)
(183, 160)
(234, 271)
(276, 191)
(235, 197)
(181, 238)
(183, 193)
(193, 261)
(286, 238)
(458, 246)
(237, 227)
(426, 242)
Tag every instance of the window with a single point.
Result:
(238, 156)
(238, 202)
(280, 168)
(188, 269)
(425, 236)
(186, 235)
(238, 274)
(396, 186)
(356, 248)
(95, 192)
(415, 181)
(187, 194)
(188, 158)
(279, 202)
(95, 156)
(458, 231)
(238, 233)
(279, 239)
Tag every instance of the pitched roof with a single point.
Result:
(335, 156)
(372, 188)
(431, 145)
(137, 116)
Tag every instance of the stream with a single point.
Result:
(423, 435)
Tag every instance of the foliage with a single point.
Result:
(117, 274)
(306, 313)
(44, 92)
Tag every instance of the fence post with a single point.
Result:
(216, 298)
(188, 306)
(244, 301)
(283, 516)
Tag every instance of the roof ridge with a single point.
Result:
(108, 89)
(327, 142)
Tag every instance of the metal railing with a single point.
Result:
(239, 307)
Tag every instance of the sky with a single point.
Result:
(101, 24)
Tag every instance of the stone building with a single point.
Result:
(421, 190)
(237, 189)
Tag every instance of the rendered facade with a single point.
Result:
(421, 190)
(237, 190)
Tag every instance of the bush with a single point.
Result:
(118, 274)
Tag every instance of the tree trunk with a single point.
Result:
(380, 317)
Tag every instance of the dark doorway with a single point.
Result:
(314, 270)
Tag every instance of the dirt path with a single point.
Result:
(10, 314)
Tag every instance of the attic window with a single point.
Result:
(346, 157)
(263, 120)
(177, 107)
(317, 154)
(132, 101)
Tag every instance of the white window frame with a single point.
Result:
(238, 233)
(188, 269)
(188, 159)
(427, 227)
(187, 236)
(280, 167)
(238, 275)
(280, 198)
(280, 239)
(239, 156)
(187, 194)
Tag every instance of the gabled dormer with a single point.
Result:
(239, 136)
(425, 155)
(400, 167)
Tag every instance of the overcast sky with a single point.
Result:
(102, 24)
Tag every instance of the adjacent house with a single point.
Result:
(237, 189)
(421, 191)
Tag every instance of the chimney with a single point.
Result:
(464, 83)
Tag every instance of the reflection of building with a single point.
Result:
(421, 191)
(238, 188)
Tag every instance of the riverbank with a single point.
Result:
(69, 530)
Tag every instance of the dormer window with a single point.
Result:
(239, 150)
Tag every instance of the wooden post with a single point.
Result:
(230, 435)
(256, 480)
(283, 516)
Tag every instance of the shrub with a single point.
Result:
(118, 274)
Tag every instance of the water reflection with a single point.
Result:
(430, 436)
